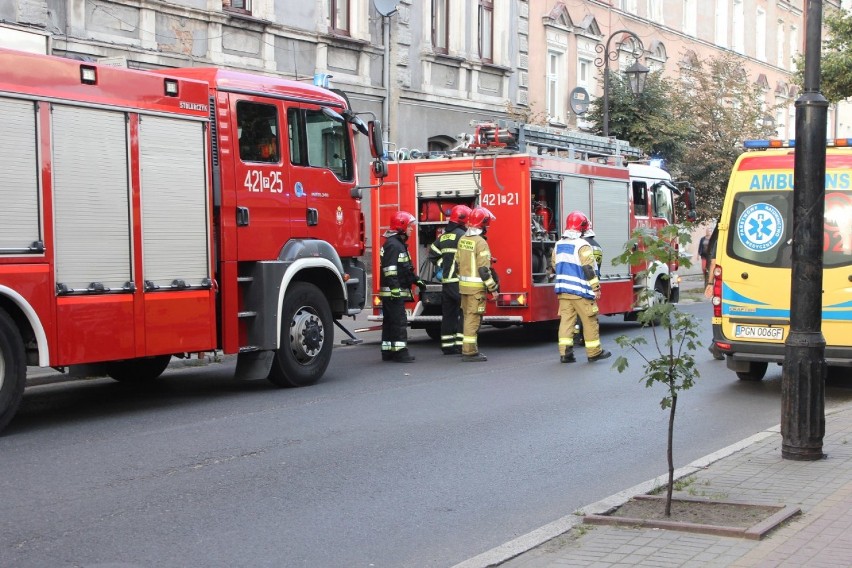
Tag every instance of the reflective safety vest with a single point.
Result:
(570, 255)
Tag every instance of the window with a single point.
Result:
(779, 43)
(794, 45)
(690, 17)
(321, 142)
(257, 126)
(243, 6)
(440, 27)
(486, 30)
(738, 43)
(721, 23)
(338, 15)
(655, 10)
(584, 73)
(663, 204)
(760, 34)
(629, 6)
(640, 199)
(554, 62)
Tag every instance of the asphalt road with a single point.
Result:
(380, 464)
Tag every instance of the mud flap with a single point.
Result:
(254, 365)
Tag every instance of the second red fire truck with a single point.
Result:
(531, 178)
(151, 214)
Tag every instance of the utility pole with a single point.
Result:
(803, 379)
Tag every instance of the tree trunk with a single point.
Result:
(670, 455)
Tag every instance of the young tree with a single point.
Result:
(836, 60)
(668, 360)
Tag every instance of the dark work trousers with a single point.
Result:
(451, 322)
(394, 325)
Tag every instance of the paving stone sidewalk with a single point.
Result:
(750, 471)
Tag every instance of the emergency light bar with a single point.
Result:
(764, 144)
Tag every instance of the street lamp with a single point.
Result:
(636, 73)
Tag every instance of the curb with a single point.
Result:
(527, 542)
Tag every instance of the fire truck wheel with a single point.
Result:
(306, 338)
(755, 372)
(138, 370)
(434, 332)
(13, 369)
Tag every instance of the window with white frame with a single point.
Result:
(655, 10)
(794, 45)
(440, 25)
(242, 6)
(338, 16)
(760, 34)
(584, 73)
(629, 5)
(486, 30)
(721, 28)
(738, 43)
(690, 17)
(554, 98)
(779, 44)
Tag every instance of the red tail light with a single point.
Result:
(717, 291)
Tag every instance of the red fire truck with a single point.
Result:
(147, 215)
(531, 178)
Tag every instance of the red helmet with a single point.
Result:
(480, 217)
(401, 220)
(577, 221)
(460, 214)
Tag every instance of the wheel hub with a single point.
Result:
(306, 334)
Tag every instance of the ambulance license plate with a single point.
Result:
(759, 332)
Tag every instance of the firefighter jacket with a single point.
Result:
(597, 251)
(575, 265)
(473, 258)
(442, 253)
(397, 273)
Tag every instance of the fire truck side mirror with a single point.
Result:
(377, 144)
(380, 168)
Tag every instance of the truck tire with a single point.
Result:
(754, 373)
(138, 370)
(13, 369)
(434, 332)
(307, 337)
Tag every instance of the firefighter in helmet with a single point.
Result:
(442, 254)
(578, 289)
(597, 251)
(476, 278)
(397, 277)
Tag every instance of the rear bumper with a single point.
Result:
(752, 352)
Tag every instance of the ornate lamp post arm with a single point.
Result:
(603, 61)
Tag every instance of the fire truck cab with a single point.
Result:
(152, 214)
(530, 178)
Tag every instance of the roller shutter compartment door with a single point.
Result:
(463, 184)
(91, 198)
(19, 189)
(175, 223)
(612, 222)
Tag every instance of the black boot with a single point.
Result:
(387, 355)
(474, 358)
(602, 355)
(403, 356)
(568, 357)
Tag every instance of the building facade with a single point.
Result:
(568, 38)
(428, 68)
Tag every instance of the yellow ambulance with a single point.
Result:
(751, 284)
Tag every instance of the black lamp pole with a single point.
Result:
(803, 377)
(637, 71)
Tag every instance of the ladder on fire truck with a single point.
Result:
(579, 145)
